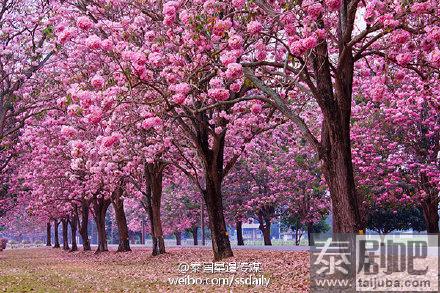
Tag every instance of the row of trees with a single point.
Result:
(251, 106)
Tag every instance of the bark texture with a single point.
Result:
(210, 151)
(430, 203)
(219, 235)
(48, 235)
(265, 228)
(212, 156)
(84, 225)
(194, 234)
(65, 227)
(310, 234)
(73, 229)
(121, 220)
(100, 206)
(178, 236)
(56, 237)
(239, 227)
(153, 197)
(430, 213)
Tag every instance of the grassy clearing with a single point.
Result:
(53, 270)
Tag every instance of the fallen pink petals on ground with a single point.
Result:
(53, 270)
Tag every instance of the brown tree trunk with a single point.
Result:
(332, 89)
(297, 233)
(121, 220)
(100, 207)
(56, 238)
(338, 173)
(335, 151)
(265, 229)
(430, 213)
(239, 227)
(158, 241)
(310, 234)
(430, 204)
(73, 228)
(64, 226)
(266, 236)
(194, 233)
(178, 236)
(219, 235)
(297, 236)
(210, 151)
(48, 235)
(143, 232)
(213, 162)
(154, 172)
(84, 225)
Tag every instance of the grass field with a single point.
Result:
(53, 270)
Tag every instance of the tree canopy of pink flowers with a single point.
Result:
(251, 109)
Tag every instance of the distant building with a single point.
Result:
(251, 231)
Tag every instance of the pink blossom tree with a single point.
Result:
(396, 140)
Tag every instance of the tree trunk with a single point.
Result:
(210, 150)
(84, 225)
(213, 160)
(64, 226)
(338, 173)
(48, 235)
(334, 97)
(297, 233)
(73, 228)
(310, 234)
(202, 222)
(194, 233)
(143, 232)
(219, 235)
(430, 205)
(239, 227)
(121, 220)
(178, 236)
(56, 238)
(100, 207)
(158, 241)
(154, 172)
(335, 151)
(430, 213)
(265, 229)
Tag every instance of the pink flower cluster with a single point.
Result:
(234, 71)
(68, 131)
(333, 4)
(238, 3)
(235, 42)
(97, 81)
(84, 23)
(254, 27)
(93, 42)
(151, 122)
(401, 37)
(219, 94)
(169, 12)
(111, 140)
(95, 115)
(314, 10)
(256, 108)
(300, 46)
(403, 59)
(181, 92)
(221, 26)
